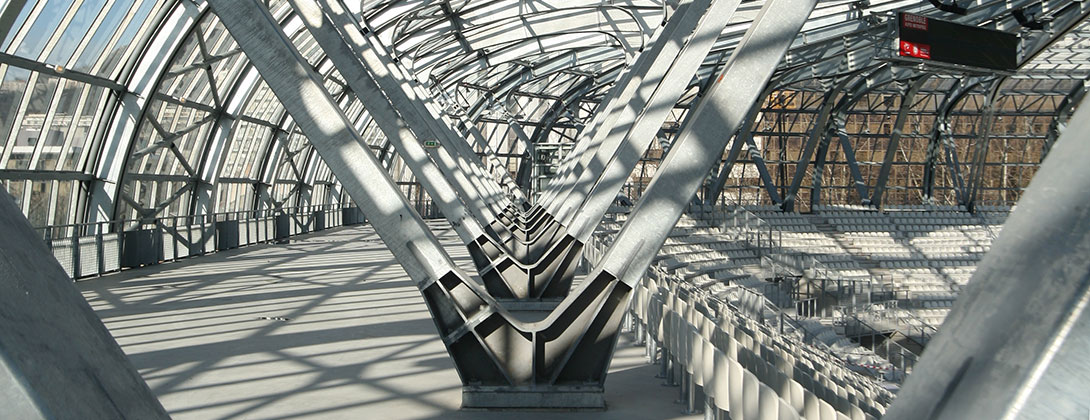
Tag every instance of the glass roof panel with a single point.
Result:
(107, 25)
(75, 31)
(12, 90)
(52, 121)
(35, 37)
(121, 47)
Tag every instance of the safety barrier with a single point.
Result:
(736, 364)
(93, 249)
(725, 359)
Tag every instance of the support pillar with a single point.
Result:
(980, 149)
(894, 140)
(1015, 344)
(562, 361)
(57, 360)
(941, 145)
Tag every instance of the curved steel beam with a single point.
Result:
(510, 84)
(907, 97)
(112, 157)
(941, 143)
(980, 149)
(1063, 115)
(531, 50)
(569, 56)
(431, 51)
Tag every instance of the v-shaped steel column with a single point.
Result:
(647, 69)
(542, 266)
(625, 143)
(644, 94)
(661, 78)
(701, 142)
(411, 98)
(562, 360)
(413, 104)
(564, 176)
(509, 273)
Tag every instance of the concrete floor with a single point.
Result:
(327, 326)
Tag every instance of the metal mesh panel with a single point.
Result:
(62, 251)
(88, 256)
(169, 246)
(262, 230)
(111, 252)
(244, 233)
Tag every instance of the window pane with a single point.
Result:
(43, 28)
(11, 95)
(93, 52)
(30, 132)
(15, 188)
(58, 129)
(19, 20)
(75, 32)
(39, 203)
(64, 202)
(83, 130)
(114, 55)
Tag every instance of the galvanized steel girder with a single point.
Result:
(572, 347)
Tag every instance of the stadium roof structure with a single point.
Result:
(116, 115)
(118, 110)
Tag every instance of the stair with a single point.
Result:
(907, 342)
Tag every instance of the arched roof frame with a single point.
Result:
(428, 52)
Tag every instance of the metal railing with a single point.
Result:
(786, 330)
(902, 359)
(798, 268)
(805, 284)
(906, 321)
(94, 249)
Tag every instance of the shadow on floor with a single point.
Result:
(326, 327)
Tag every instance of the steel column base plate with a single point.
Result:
(534, 305)
(540, 397)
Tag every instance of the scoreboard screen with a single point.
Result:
(936, 40)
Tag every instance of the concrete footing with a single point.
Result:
(528, 305)
(544, 397)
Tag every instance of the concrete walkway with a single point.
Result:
(327, 326)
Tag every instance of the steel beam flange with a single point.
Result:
(463, 205)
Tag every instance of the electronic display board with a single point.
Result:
(937, 40)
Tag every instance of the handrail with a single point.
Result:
(746, 225)
(80, 229)
(813, 349)
(907, 363)
(89, 249)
